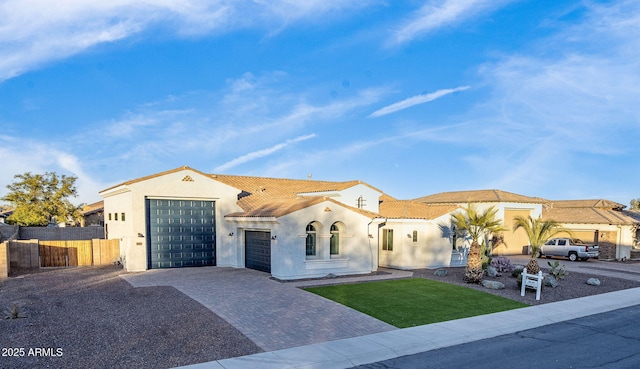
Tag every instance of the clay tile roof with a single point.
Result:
(96, 206)
(278, 208)
(266, 197)
(259, 191)
(589, 215)
(459, 197)
(598, 203)
(385, 197)
(283, 207)
(406, 209)
(141, 179)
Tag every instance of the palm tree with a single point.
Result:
(538, 231)
(476, 225)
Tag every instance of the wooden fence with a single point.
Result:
(64, 253)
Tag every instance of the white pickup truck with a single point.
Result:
(571, 248)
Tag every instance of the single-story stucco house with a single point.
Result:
(292, 228)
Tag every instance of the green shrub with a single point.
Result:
(557, 270)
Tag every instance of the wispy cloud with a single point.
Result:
(564, 106)
(436, 14)
(35, 32)
(261, 153)
(415, 100)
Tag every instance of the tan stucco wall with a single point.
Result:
(615, 241)
(514, 241)
(4, 260)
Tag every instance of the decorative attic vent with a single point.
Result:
(187, 179)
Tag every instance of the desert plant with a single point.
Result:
(538, 231)
(485, 255)
(477, 225)
(120, 261)
(502, 264)
(557, 271)
(14, 313)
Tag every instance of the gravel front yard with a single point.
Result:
(572, 286)
(91, 318)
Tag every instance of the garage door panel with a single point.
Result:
(175, 240)
(258, 250)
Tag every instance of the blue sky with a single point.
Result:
(540, 98)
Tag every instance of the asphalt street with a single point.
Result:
(608, 340)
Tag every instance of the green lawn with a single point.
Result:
(416, 301)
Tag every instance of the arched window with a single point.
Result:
(334, 243)
(311, 240)
(454, 237)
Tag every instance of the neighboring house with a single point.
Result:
(598, 222)
(509, 206)
(4, 214)
(93, 214)
(601, 222)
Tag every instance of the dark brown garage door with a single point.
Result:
(257, 250)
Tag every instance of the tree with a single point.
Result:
(40, 199)
(634, 204)
(477, 225)
(538, 231)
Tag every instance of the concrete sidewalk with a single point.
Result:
(346, 353)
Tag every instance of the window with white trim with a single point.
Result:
(334, 241)
(311, 247)
(387, 239)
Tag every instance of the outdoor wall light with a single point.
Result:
(408, 235)
(274, 237)
(140, 235)
(231, 234)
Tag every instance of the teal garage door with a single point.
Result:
(257, 250)
(181, 233)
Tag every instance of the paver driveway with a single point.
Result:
(272, 314)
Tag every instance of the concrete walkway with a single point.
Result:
(274, 315)
(346, 353)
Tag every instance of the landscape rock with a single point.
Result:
(593, 281)
(492, 271)
(494, 285)
(517, 270)
(549, 281)
(440, 272)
